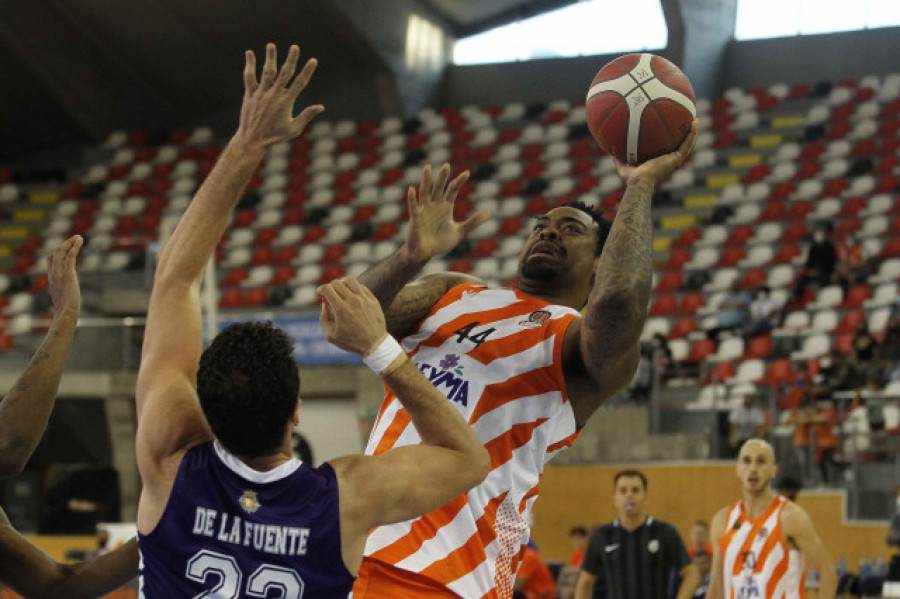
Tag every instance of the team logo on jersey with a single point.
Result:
(653, 546)
(763, 532)
(249, 502)
(535, 319)
(451, 362)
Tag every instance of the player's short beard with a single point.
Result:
(538, 272)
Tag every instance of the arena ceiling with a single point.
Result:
(74, 69)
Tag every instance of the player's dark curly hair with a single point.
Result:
(603, 225)
(248, 386)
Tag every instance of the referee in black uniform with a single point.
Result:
(635, 556)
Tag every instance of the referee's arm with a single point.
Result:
(590, 565)
(716, 588)
(690, 580)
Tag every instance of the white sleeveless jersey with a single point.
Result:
(497, 356)
(757, 560)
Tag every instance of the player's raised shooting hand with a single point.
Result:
(656, 170)
(432, 229)
(267, 112)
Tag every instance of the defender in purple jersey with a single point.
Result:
(225, 510)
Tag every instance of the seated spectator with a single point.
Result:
(864, 345)
(824, 421)
(801, 418)
(765, 313)
(746, 421)
(801, 387)
(662, 355)
(534, 579)
(732, 312)
(855, 428)
(821, 261)
(852, 262)
(578, 536)
(889, 350)
(699, 540)
(703, 562)
(838, 373)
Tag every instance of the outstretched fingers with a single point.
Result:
(270, 67)
(289, 67)
(302, 80)
(250, 82)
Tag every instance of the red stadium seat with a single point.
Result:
(794, 232)
(284, 255)
(670, 281)
(849, 322)
(779, 371)
(232, 297)
(843, 343)
(855, 296)
(786, 254)
(740, 234)
(331, 272)
(800, 209)
(754, 277)
(677, 258)
(256, 297)
(663, 305)
(283, 274)
(721, 372)
(758, 348)
(334, 253)
(773, 211)
(730, 256)
(485, 247)
(700, 350)
(687, 237)
(682, 328)
(691, 302)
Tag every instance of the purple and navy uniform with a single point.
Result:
(229, 531)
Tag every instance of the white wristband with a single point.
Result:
(384, 355)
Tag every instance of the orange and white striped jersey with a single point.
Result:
(497, 356)
(757, 559)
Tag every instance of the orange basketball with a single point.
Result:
(640, 106)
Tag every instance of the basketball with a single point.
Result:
(640, 106)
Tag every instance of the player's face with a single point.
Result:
(756, 466)
(630, 497)
(562, 242)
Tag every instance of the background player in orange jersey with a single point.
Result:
(763, 543)
(523, 365)
(24, 413)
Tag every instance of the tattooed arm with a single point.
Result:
(432, 232)
(602, 349)
(25, 410)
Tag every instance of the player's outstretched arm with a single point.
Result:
(607, 337)
(169, 416)
(432, 232)
(716, 589)
(25, 410)
(798, 528)
(32, 573)
(406, 482)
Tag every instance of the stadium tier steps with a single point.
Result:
(768, 163)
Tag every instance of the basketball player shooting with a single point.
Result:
(763, 544)
(225, 509)
(522, 365)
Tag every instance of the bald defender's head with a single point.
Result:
(756, 466)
